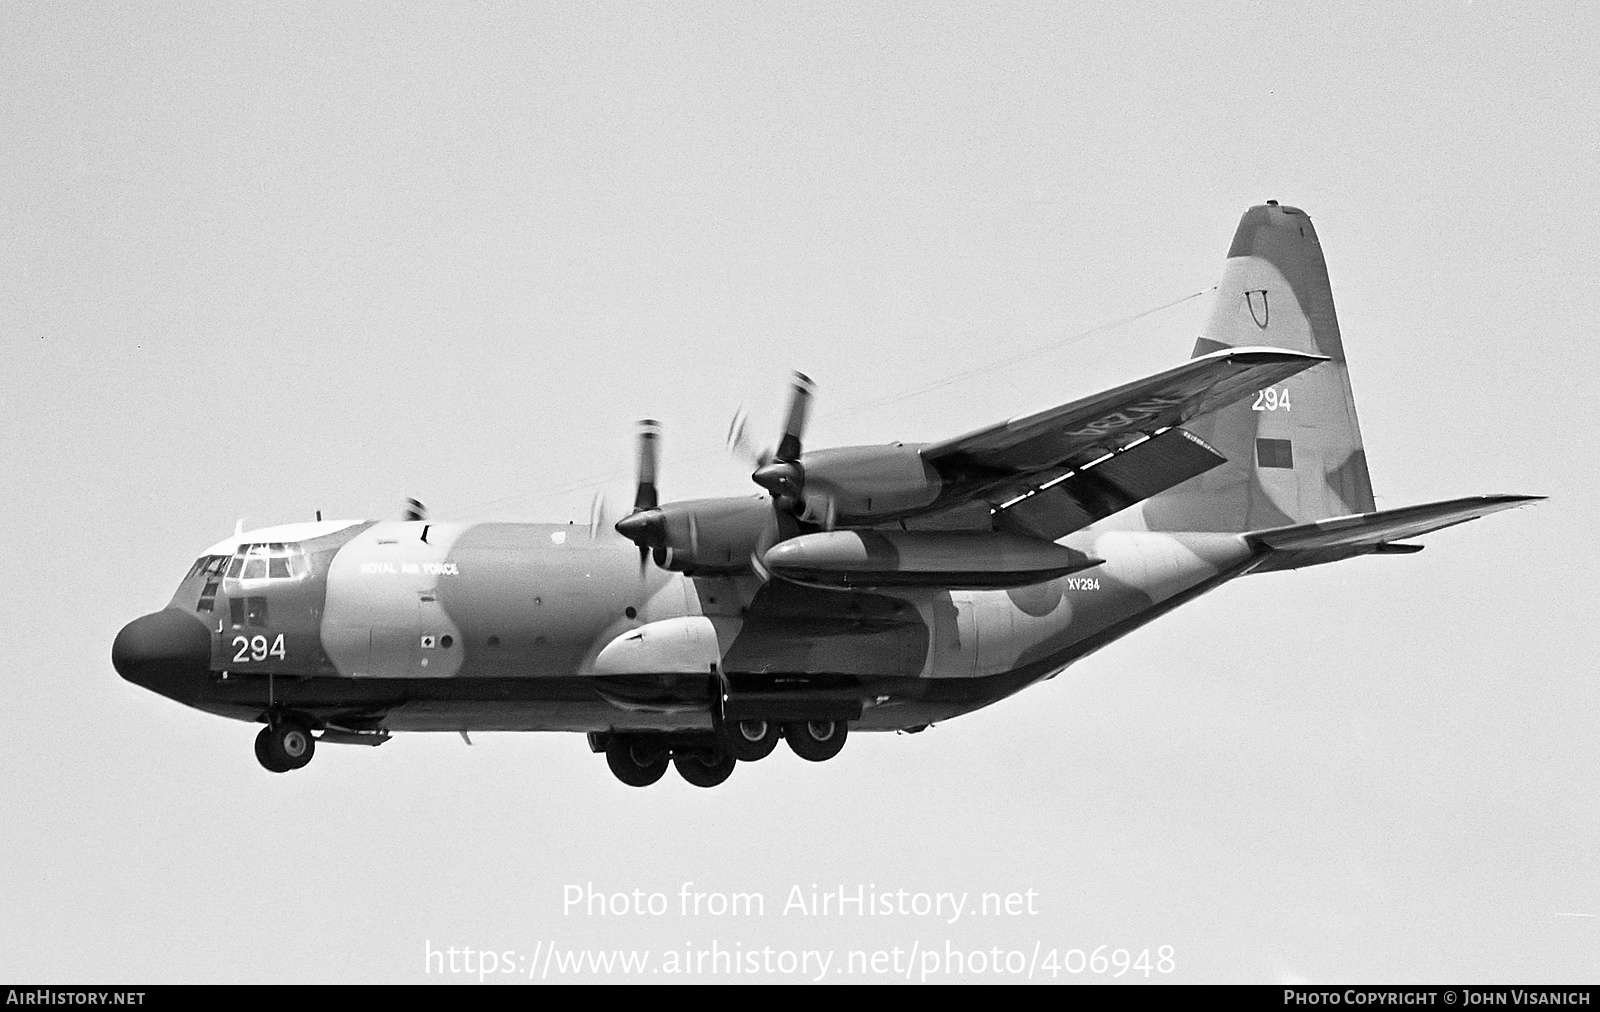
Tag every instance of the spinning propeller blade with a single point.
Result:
(783, 474)
(794, 425)
(645, 526)
(649, 435)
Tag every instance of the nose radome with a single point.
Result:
(167, 642)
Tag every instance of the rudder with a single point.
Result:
(1294, 450)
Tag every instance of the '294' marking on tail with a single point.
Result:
(1271, 399)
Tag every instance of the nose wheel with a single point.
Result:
(285, 744)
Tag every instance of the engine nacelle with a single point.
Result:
(868, 484)
(712, 535)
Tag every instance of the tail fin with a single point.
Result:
(1294, 450)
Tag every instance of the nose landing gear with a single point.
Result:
(285, 744)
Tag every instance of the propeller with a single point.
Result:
(739, 444)
(782, 473)
(645, 526)
(415, 510)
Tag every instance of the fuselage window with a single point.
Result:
(236, 611)
(256, 610)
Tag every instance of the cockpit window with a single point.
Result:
(208, 565)
(273, 560)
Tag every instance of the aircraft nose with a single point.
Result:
(165, 643)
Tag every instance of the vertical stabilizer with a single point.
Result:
(1294, 450)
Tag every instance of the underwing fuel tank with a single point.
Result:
(957, 560)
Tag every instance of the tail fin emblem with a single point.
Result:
(1258, 306)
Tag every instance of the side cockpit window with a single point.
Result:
(210, 567)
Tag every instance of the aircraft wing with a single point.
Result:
(1044, 439)
(1053, 456)
(1369, 530)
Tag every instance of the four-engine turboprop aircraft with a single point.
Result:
(867, 588)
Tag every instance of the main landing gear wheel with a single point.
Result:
(636, 764)
(704, 767)
(749, 740)
(816, 740)
(285, 745)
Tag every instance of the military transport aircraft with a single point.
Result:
(865, 588)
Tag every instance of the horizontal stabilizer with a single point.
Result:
(1366, 531)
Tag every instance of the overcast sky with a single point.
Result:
(261, 260)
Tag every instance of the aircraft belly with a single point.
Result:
(563, 715)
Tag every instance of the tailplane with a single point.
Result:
(1294, 449)
(1372, 533)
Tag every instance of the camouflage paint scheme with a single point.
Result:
(419, 626)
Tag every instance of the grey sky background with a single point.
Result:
(266, 260)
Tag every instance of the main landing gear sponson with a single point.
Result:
(285, 744)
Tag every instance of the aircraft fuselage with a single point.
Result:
(416, 626)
